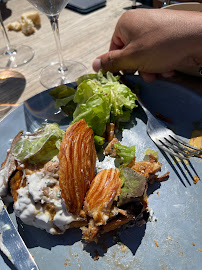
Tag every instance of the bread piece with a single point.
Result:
(33, 16)
(27, 27)
(15, 26)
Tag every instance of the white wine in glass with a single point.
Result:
(12, 56)
(61, 72)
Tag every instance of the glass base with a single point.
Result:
(52, 76)
(18, 56)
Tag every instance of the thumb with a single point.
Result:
(110, 61)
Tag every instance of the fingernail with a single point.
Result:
(97, 64)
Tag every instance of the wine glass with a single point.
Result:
(133, 4)
(61, 72)
(166, 3)
(13, 56)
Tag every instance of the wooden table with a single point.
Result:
(83, 38)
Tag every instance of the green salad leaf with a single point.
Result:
(63, 96)
(99, 140)
(99, 99)
(126, 153)
(40, 146)
(150, 152)
(133, 185)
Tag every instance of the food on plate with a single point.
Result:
(52, 179)
(30, 171)
(196, 139)
(77, 158)
(29, 21)
(98, 203)
(100, 99)
(56, 178)
(195, 179)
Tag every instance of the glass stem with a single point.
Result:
(7, 41)
(55, 28)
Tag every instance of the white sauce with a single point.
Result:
(3, 182)
(107, 163)
(30, 206)
(31, 203)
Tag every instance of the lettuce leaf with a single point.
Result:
(133, 186)
(150, 152)
(92, 106)
(102, 100)
(40, 146)
(99, 99)
(63, 96)
(126, 153)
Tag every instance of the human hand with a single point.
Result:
(152, 42)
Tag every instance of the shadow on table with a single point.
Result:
(5, 12)
(12, 85)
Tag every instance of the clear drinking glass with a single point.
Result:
(61, 72)
(12, 56)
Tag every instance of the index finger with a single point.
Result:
(116, 43)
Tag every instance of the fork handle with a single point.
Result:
(126, 79)
(148, 113)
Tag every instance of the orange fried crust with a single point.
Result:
(147, 167)
(16, 182)
(104, 189)
(77, 165)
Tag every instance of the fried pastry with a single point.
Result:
(77, 158)
(8, 167)
(104, 190)
(51, 175)
(149, 168)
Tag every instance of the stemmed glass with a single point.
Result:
(133, 4)
(61, 72)
(13, 56)
(166, 3)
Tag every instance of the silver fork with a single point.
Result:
(161, 135)
(167, 140)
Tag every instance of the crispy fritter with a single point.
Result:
(149, 168)
(90, 233)
(16, 181)
(104, 190)
(110, 132)
(110, 149)
(77, 158)
(116, 223)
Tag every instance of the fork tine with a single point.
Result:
(175, 149)
(182, 149)
(172, 153)
(175, 138)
